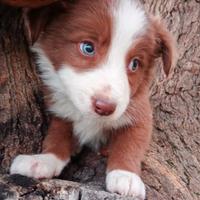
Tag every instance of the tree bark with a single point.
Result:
(171, 170)
(173, 163)
(22, 116)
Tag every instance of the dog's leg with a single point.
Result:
(127, 150)
(57, 149)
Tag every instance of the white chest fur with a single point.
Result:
(94, 131)
(89, 132)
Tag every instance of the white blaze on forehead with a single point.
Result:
(129, 21)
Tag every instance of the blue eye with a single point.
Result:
(134, 64)
(87, 48)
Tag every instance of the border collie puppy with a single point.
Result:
(97, 60)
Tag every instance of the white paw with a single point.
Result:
(37, 166)
(125, 183)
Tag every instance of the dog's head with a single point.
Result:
(99, 55)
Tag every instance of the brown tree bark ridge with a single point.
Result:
(171, 170)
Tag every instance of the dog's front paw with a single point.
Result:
(37, 166)
(125, 183)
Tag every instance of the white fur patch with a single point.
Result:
(125, 183)
(38, 166)
(72, 91)
(130, 22)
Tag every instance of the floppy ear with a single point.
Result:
(165, 45)
(36, 19)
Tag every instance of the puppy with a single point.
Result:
(97, 61)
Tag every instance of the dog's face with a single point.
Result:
(102, 54)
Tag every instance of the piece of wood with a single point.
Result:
(19, 187)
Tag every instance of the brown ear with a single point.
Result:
(37, 19)
(165, 45)
(37, 14)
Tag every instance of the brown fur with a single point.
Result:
(63, 47)
(128, 145)
(59, 140)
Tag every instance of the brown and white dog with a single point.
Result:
(96, 59)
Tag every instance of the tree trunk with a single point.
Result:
(22, 118)
(171, 170)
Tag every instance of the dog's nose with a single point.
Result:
(104, 107)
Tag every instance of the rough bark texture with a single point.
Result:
(171, 170)
(174, 159)
(22, 120)
(18, 187)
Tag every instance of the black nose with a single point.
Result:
(104, 107)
